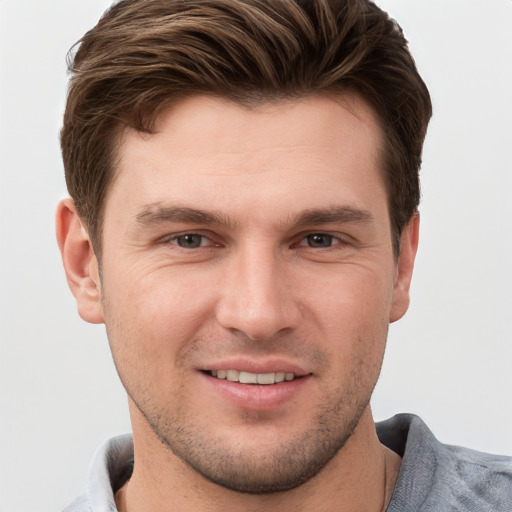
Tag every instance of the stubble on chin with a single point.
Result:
(243, 465)
(249, 469)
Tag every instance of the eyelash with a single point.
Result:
(333, 240)
(174, 239)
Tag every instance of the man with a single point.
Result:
(243, 218)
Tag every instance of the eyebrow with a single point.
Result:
(334, 215)
(158, 213)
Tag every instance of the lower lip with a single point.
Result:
(257, 397)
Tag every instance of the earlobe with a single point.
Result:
(80, 263)
(405, 265)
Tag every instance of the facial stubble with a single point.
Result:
(253, 470)
(247, 470)
(292, 463)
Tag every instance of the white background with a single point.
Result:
(448, 360)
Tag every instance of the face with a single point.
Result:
(248, 281)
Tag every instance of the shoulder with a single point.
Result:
(111, 466)
(81, 504)
(482, 479)
(438, 477)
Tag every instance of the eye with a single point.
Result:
(319, 240)
(190, 241)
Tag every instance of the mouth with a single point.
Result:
(253, 378)
(260, 389)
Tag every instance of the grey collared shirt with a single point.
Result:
(434, 477)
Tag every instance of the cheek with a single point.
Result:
(156, 296)
(152, 319)
(351, 299)
(352, 312)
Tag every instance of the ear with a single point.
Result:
(405, 265)
(80, 263)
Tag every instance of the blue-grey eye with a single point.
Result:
(319, 240)
(189, 241)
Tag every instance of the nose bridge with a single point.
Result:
(257, 298)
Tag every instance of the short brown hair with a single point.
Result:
(144, 54)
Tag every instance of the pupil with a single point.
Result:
(189, 241)
(319, 240)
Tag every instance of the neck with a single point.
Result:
(361, 477)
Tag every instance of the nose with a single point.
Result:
(257, 296)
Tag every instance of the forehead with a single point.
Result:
(211, 149)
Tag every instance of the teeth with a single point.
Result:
(248, 378)
(252, 378)
(266, 378)
(233, 375)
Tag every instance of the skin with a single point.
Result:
(288, 264)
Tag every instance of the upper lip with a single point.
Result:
(254, 366)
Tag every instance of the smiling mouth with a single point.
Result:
(252, 378)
